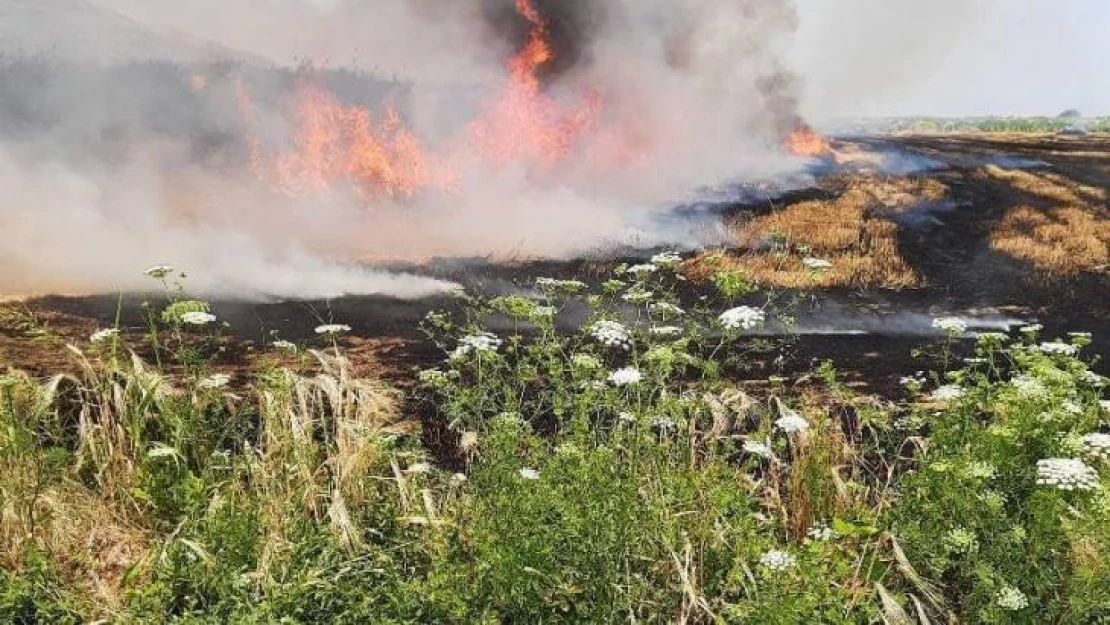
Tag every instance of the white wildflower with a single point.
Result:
(637, 295)
(1092, 379)
(214, 382)
(625, 377)
(159, 272)
(821, 532)
(285, 346)
(953, 326)
(1097, 444)
(1066, 474)
(1028, 386)
(458, 478)
(1071, 407)
(1058, 347)
(948, 392)
(992, 337)
(913, 382)
(529, 474)
(101, 336)
(432, 376)
(758, 448)
(666, 259)
(544, 311)
(570, 286)
(742, 317)
(197, 318)
(776, 560)
(332, 329)
(665, 424)
(980, 470)
(1032, 328)
(666, 310)
(792, 423)
(627, 417)
(816, 264)
(611, 334)
(665, 331)
(510, 417)
(642, 270)
(483, 342)
(1012, 599)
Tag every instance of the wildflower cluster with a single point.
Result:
(1066, 474)
(483, 342)
(1097, 444)
(1012, 599)
(758, 448)
(948, 392)
(666, 310)
(1058, 347)
(777, 560)
(792, 423)
(197, 318)
(953, 326)
(611, 334)
(742, 318)
(628, 376)
(101, 336)
(566, 286)
(332, 329)
(642, 270)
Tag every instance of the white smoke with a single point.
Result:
(119, 174)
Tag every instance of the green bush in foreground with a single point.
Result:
(609, 474)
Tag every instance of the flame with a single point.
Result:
(803, 141)
(336, 145)
(523, 124)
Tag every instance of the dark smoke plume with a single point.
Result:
(571, 24)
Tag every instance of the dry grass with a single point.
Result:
(1060, 242)
(1057, 224)
(89, 543)
(1052, 187)
(849, 231)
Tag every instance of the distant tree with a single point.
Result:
(1070, 114)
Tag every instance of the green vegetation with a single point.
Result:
(612, 474)
(985, 124)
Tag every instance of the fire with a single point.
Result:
(803, 141)
(336, 145)
(523, 124)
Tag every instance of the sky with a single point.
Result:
(856, 57)
(954, 57)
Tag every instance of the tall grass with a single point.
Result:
(614, 476)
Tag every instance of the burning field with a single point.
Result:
(563, 330)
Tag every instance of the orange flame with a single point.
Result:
(803, 141)
(523, 124)
(336, 144)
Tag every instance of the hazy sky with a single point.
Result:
(857, 57)
(954, 57)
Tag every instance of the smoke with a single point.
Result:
(110, 168)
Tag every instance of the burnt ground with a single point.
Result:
(870, 332)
